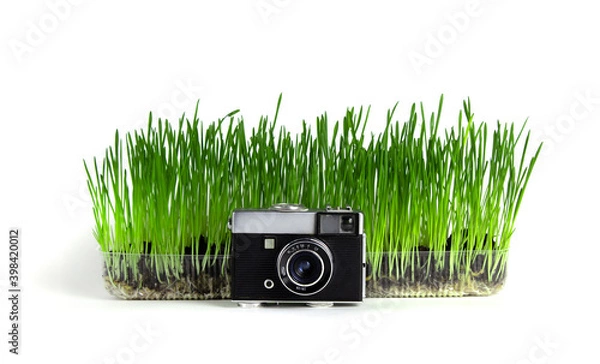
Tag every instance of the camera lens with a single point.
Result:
(305, 267)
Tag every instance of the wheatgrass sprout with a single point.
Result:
(434, 200)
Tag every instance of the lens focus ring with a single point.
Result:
(305, 266)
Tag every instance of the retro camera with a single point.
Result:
(288, 253)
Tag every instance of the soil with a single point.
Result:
(427, 280)
(203, 288)
(191, 284)
(388, 287)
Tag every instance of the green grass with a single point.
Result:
(174, 185)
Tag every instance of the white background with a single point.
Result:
(72, 74)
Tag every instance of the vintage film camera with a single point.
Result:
(288, 253)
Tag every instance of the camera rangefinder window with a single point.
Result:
(336, 223)
(347, 224)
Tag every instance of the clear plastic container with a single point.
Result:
(435, 273)
(389, 275)
(166, 277)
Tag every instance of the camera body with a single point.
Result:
(288, 253)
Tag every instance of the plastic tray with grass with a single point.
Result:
(439, 205)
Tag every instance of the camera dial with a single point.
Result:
(288, 207)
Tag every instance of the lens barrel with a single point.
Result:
(305, 266)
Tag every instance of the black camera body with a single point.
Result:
(291, 254)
